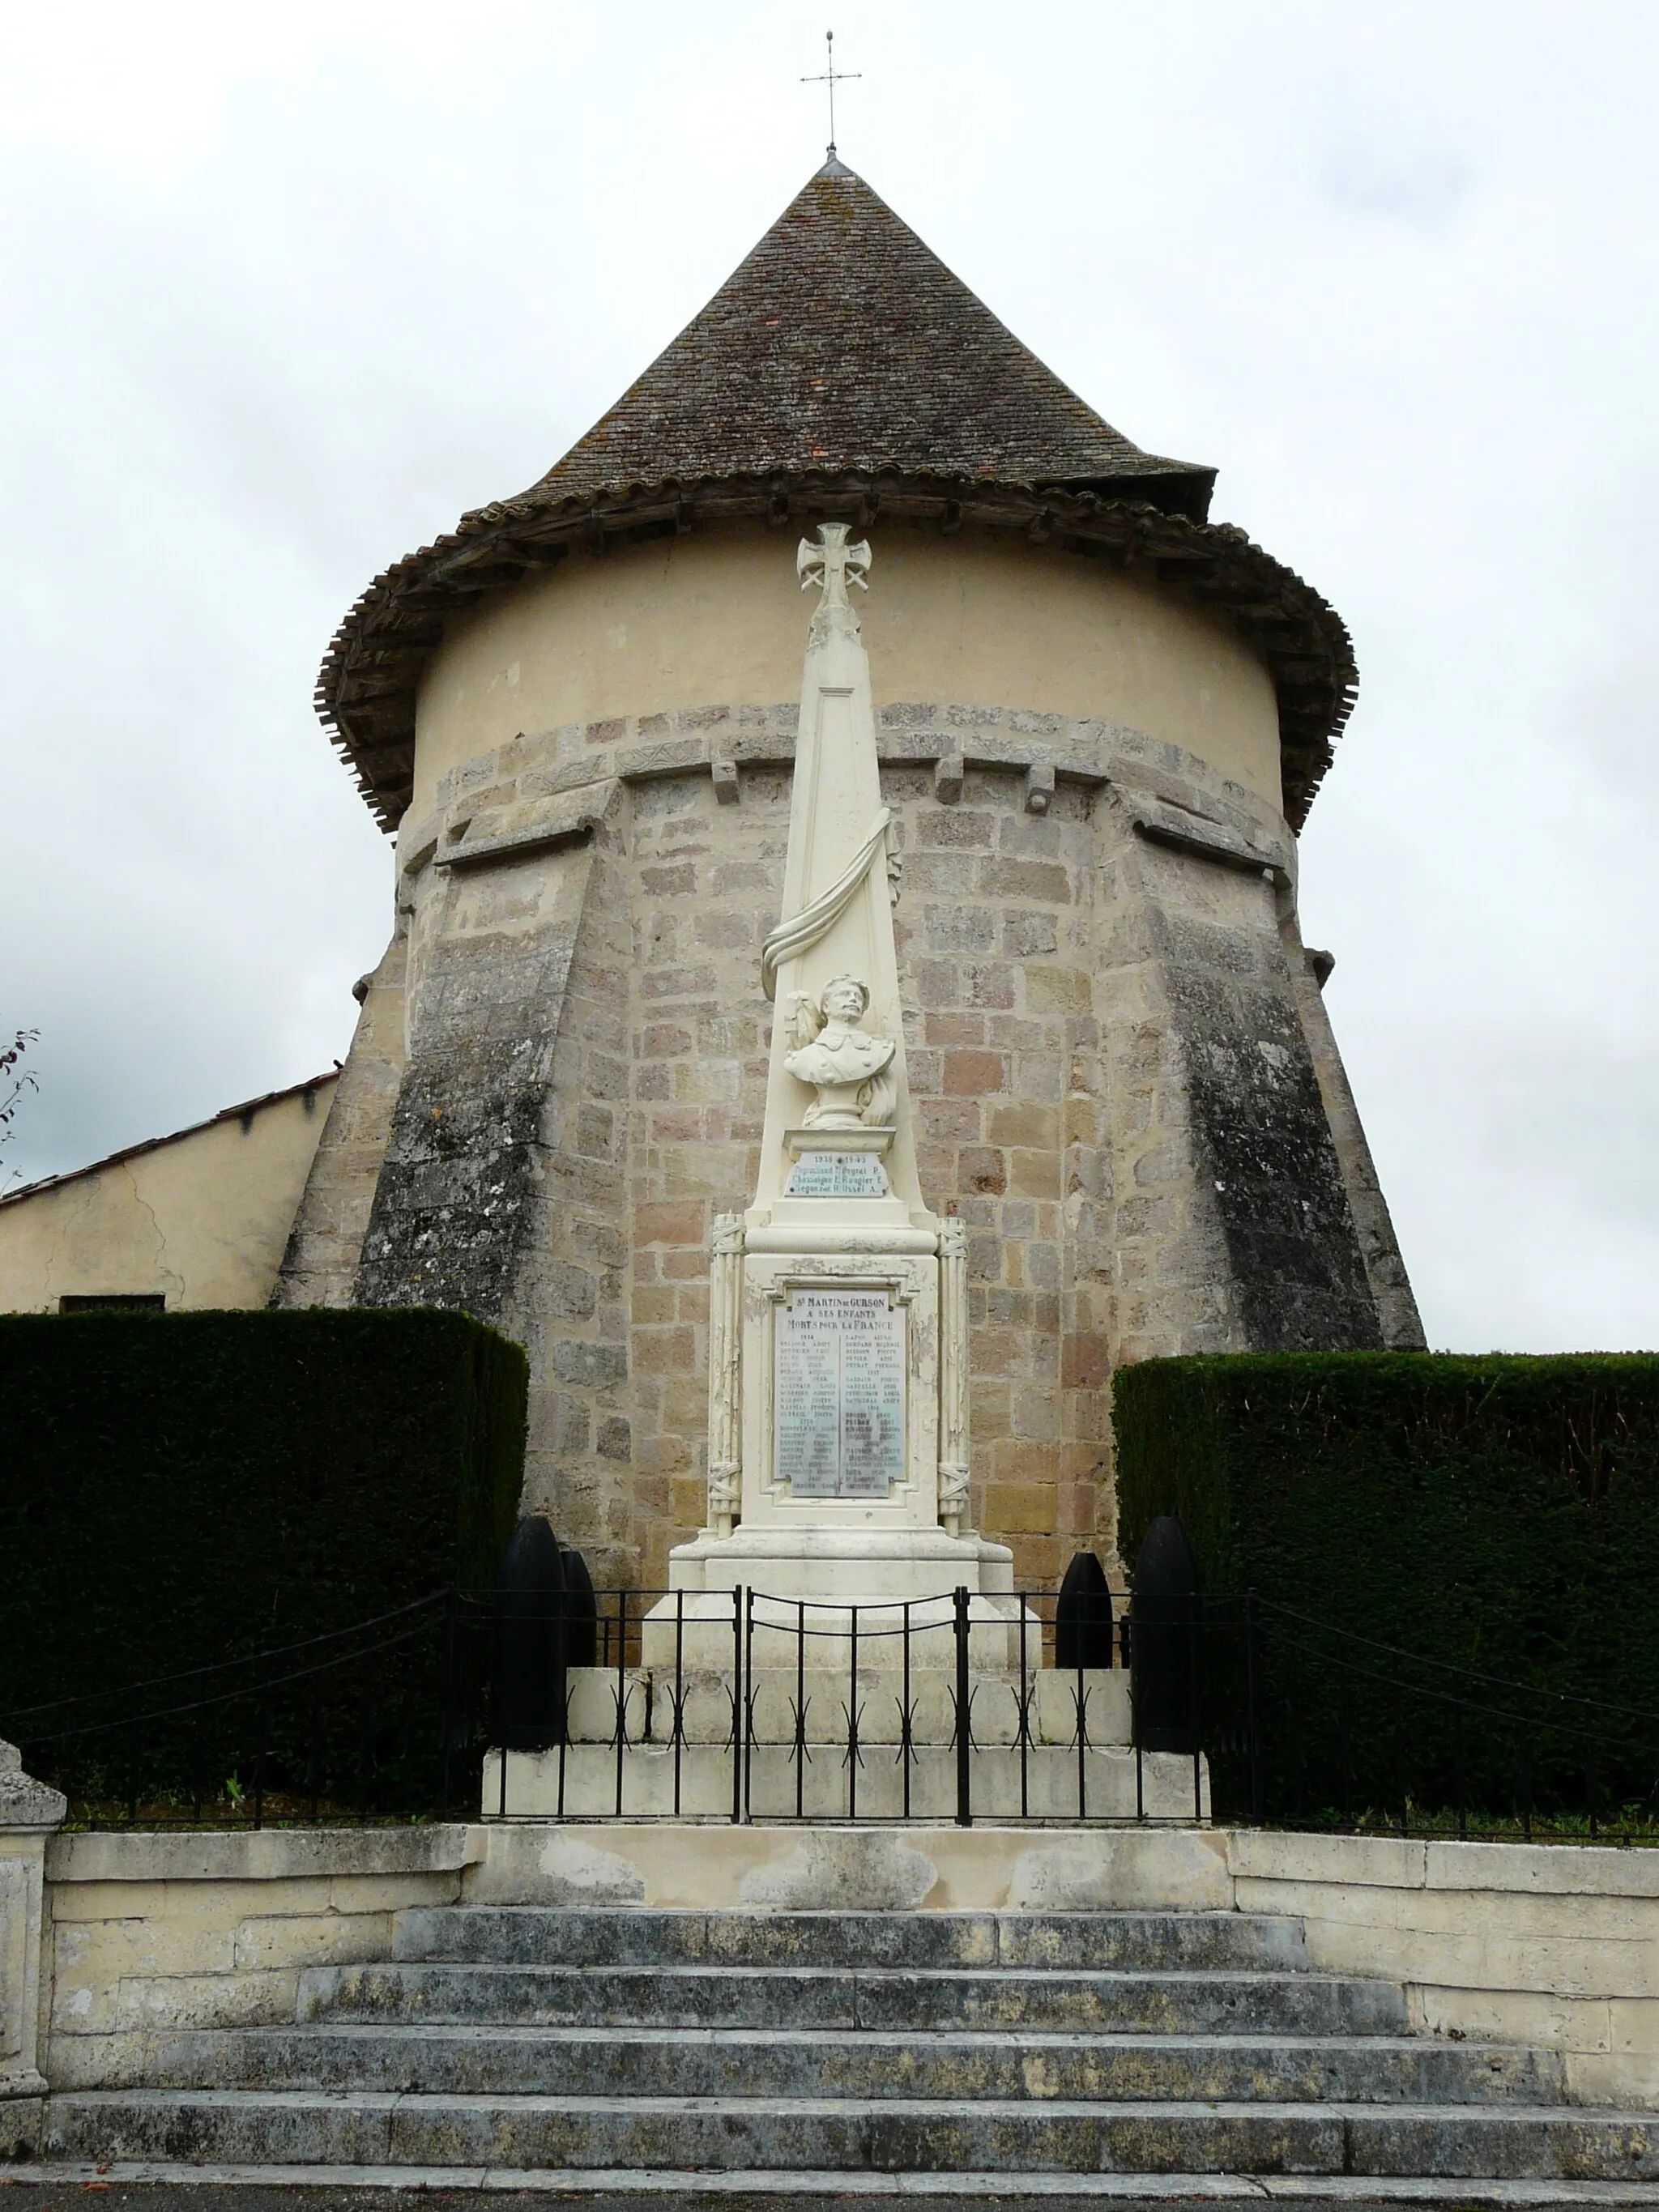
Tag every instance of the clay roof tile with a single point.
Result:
(843, 340)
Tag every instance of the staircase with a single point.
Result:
(978, 2055)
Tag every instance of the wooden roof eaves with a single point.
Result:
(366, 689)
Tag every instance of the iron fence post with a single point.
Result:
(800, 1708)
(259, 1734)
(738, 1706)
(1195, 1705)
(1082, 1694)
(622, 1691)
(1252, 1706)
(853, 1721)
(679, 1692)
(965, 1738)
(904, 1712)
(1026, 1692)
(748, 1704)
(448, 1721)
(315, 1754)
(1459, 1773)
(365, 1750)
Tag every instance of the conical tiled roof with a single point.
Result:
(841, 371)
(842, 342)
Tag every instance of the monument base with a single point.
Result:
(667, 1747)
(811, 1580)
(846, 1566)
(707, 1782)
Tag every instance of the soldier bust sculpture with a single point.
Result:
(849, 1069)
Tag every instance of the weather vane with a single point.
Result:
(832, 76)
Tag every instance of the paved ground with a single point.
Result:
(27, 2190)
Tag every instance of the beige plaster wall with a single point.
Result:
(714, 619)
(201, 1218)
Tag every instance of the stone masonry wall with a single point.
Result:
(1103, 1026)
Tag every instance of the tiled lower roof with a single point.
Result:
(242, 1113)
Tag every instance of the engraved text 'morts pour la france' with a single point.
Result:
(840, 1365)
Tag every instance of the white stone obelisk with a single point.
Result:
(838, 1383)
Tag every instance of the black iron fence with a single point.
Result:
(744, 1707)
(1308, 1724)
(383, 1720)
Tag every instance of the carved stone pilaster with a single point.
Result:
(29, 1812)
(952, 1376)
(726, 1373)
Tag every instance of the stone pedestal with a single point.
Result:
(1077, 1764)
(29, 1813)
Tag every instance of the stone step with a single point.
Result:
(895, 2135)
(170, 2185)
(747, 2063)
(1054, 1704)
(580, 1783)
(1195, 2002)
(517, 1935)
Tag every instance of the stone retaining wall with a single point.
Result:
(1556, 1947)
(146, 1934)
(1552, 1945)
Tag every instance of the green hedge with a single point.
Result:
(1499, 1513)
(184, 1489)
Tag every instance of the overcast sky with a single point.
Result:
(288, 288)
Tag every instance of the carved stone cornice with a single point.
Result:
(366, 689)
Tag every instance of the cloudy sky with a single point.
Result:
(288, 288)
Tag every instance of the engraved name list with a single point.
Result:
(839, 1394)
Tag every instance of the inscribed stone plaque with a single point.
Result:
(839, 1388)
(837, 1175)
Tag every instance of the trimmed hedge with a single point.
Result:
(1496, 1512)
(184, 1489)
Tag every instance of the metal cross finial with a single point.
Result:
(832, 76)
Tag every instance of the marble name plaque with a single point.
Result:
(837, 1175)
(839, 1394)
